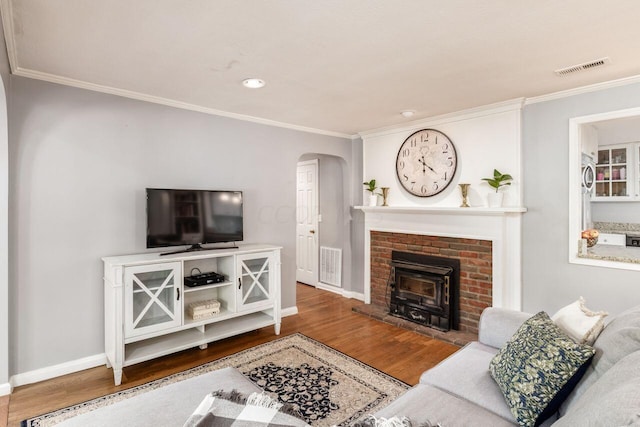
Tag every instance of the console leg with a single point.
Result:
(117, 376)
(203, 346)
(277, 328)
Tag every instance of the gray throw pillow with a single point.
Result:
(537, 368)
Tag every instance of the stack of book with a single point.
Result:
(203, 309)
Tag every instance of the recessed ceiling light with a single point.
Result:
(253, 83)
(407, 113)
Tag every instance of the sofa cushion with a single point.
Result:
(613, 400)
(538, 368)
(425, 403)
(580, 323)
(619, 338)
(466, 374)
(497, 325)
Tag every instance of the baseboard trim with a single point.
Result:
(289, 311)
(5, 389)
(76, 365)
(347, 294)
(58, 370)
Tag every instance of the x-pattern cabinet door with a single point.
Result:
(255, 280)
(152, 298)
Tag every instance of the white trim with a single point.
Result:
(353, 295)
(342, 292)
(456, 116)
(169, 102)
(58, 370)
(77, 365)
(289, 311)
(575, 187)
(7, 24)
(482, 211)
(5, 389)
(583, 89)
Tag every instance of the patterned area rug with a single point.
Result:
(327, 387)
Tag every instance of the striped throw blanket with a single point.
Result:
(220, 409)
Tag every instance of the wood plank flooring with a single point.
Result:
(322, 315)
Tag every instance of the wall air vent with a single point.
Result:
(583, 67)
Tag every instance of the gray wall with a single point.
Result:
(357, 219)
(549, 280)
(4, 228)
(79, 163)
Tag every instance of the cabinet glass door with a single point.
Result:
(255, 280)
(152, 298)
(611, 173)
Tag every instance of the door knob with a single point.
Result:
(312, 231)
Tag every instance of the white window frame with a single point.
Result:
(576, 125)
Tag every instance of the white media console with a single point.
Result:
(149, 312)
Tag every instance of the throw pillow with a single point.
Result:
(580, 323)
(537, 369)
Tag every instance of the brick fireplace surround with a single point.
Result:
(486, 241)
(475, 269)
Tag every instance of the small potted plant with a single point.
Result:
(499, 180)
(371, 188)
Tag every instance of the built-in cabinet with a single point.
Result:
(149, 309)
(618, 173)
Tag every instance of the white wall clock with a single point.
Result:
(426, 163)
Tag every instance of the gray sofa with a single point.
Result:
(461, 392)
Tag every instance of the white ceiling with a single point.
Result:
(340, 66)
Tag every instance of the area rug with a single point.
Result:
(326, 386)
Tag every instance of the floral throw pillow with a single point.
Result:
(537, 369)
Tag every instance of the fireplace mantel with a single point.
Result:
(502, 226)
(441, 210)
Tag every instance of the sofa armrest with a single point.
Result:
(497, 325)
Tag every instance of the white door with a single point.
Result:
(307, 223)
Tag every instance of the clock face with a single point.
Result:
(426, 163)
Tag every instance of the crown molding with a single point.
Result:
(168, 102)
(484, 110)
(7, 24)
(583, 89)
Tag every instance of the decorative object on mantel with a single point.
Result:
(384, 194)
(464, 189)
(371, 188)
(426, 163)
(591, 235)
(498, 180)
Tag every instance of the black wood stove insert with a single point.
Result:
(425, 289)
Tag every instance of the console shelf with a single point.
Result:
(152, 348)
(147, 304)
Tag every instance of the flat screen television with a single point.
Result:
(193, 217)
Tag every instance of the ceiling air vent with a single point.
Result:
(582, 67)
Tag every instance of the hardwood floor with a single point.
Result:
(322, 315)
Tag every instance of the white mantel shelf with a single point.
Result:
(442, 210)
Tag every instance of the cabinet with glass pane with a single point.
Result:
(255, 280)
(150, 312)
(612, 173)
(152, 294)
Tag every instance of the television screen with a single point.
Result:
(193, 217)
